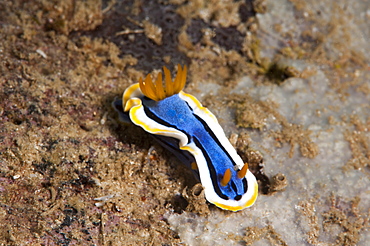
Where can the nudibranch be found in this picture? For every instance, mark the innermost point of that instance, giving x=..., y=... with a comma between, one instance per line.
x=189, y=130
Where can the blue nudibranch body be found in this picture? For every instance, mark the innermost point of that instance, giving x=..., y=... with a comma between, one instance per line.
x=180, y=123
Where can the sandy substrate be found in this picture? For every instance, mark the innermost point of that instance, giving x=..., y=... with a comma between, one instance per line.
x=288, y=80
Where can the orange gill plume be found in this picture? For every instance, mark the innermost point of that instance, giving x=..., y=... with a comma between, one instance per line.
x=242, y=172
x=156, y=91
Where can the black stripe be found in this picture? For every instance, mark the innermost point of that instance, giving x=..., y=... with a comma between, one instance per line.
x=211, y=133
x=238, y=197
x=245, y=185
x=233, y=186
x=211, y=170
x=191, y=109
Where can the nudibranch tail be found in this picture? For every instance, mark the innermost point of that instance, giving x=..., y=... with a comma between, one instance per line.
x=156, y=91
